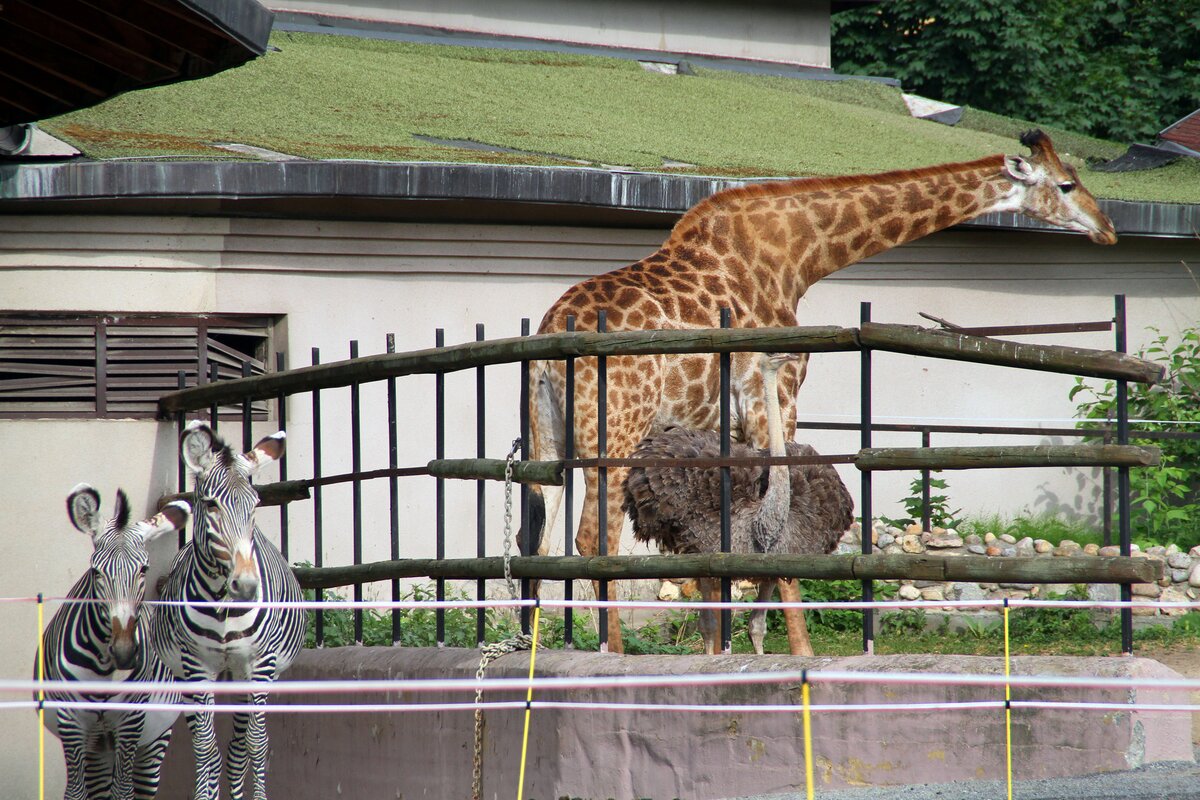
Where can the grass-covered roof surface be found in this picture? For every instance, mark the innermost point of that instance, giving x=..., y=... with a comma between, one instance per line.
x=342, y=97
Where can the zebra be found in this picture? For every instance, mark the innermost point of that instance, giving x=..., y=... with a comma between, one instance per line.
x=109, y=753
x=227, y=559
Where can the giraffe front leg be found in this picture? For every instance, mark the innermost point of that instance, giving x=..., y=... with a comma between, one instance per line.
x=204, y=748
x=587, y=540
x=797, y=628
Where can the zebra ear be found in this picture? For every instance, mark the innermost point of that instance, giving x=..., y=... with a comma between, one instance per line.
x=266, y=451
x=173, y=516
x=197, y=446
x=83, y=507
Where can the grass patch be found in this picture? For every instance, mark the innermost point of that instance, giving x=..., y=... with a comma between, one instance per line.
x=1033, y=631
x=327, y=96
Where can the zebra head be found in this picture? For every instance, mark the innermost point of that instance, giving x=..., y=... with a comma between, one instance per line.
x=226, y=498
x=119, y=562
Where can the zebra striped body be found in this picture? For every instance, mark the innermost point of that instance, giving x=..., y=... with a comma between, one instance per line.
x=109, y=753
x=228, y=559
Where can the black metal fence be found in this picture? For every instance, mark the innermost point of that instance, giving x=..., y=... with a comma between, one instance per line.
x=284, y=384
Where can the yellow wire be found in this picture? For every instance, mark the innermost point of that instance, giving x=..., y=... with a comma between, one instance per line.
x=808, y=755
x=537, y=615
x=1007, y=709
x=41, y=711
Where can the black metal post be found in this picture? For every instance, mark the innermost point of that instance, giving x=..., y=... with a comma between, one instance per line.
x=602, y=476
x=1123, y=498
x=393, y=488
x=180, y=422
x=318, y=544
x=214, y=411
x=529, y=546
x=281, y=412
x=356, y=492
x=926, y=512
x=867, y=530
x=439, y=487
x=247, y=416
x=480, y=492
x=726, y=489
x=1106, y=483
x=568, y=493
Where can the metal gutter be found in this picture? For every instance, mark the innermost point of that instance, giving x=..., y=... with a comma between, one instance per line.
x=508, y=192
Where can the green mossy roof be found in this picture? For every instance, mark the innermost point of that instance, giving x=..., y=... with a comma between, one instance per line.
x=340, y=97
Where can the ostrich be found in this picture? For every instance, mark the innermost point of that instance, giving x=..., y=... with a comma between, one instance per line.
x=783, y=509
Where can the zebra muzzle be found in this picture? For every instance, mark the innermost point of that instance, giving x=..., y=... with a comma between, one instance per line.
x=124, y=644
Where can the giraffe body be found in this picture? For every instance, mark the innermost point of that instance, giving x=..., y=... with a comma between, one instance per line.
x=756, y=250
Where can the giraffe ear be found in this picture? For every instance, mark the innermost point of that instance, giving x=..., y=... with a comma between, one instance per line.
x=1020, y=170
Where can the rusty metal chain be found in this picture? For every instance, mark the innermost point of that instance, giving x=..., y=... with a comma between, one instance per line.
x=489, y=652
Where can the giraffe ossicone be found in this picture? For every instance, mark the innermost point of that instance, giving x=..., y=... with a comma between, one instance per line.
x=756, y=250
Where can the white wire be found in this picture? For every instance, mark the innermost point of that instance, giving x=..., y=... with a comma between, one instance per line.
x=1055, y=420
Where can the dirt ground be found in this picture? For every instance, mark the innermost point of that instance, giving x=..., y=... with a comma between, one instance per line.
x=1185, y=661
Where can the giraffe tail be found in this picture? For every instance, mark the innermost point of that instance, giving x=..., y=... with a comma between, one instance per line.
x=548, y=434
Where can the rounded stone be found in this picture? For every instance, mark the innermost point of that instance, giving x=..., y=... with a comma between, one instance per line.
x=977, y=549
x=1109, y=551
x=933, y=593
x=909, y=593
x=992, y=550
x=911, y=544
x=1146, y=589
x=885, y=539
x=1194, y=575
x=1008, y=537
x=1042, y=546
x=1179, y=560
x=1091, y=549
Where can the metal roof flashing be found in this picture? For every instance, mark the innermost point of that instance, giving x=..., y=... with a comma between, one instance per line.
x=426, y=191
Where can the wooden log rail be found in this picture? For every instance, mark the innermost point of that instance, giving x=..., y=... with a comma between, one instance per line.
x=974, y=569
x=812, y=339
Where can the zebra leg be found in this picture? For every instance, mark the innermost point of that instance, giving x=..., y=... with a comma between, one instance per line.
x=124, y=756
x=238, y=759
x=204, y=748
x=258, y=746
x=74, y=749
x=147, y=771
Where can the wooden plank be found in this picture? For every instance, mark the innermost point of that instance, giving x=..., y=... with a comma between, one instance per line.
x=269, y=494
x=1006, y=456
x=1047, y=358
x=540, y=472
x=1074, y=569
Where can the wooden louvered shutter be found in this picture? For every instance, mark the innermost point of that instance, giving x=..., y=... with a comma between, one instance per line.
x=118, y=366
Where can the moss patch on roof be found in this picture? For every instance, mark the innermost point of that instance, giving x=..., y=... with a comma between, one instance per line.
x=328, y=96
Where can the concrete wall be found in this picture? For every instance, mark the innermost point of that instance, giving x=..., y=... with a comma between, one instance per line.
x=660, y=754
x=759, y=30
x=333, y=281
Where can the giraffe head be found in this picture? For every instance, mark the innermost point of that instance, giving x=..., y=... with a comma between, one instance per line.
x=226, y=500
x=1048, y=190
x=119, y=562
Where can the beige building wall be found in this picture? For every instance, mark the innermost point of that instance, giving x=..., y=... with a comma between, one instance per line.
x=758, y=30
x=333, y=281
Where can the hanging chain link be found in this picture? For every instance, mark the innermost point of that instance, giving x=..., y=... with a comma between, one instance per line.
x=490, y=652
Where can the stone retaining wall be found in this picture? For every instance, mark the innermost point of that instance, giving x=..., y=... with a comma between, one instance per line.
x=1181, y=583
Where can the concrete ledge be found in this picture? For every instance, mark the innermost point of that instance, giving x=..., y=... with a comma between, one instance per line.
x=663, y=755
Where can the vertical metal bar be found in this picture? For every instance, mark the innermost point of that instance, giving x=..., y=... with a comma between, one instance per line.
x=529, y=546
x=281, y=406
x=214, y=411
x=1123, y=492
x=201, y=351
x=868, y=589
x=393, y=488
x=602, y=475
x=568, y=493
x=1107, y=493
x=101, y=367
x=439, y=492
x=181, y=383
x=726, y=489
x=318, y=544
x=480, y=491
x=247, y=419
x=926, y=512
x=356, y=491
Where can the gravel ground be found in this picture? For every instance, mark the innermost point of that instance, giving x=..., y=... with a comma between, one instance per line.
x=1165, y=781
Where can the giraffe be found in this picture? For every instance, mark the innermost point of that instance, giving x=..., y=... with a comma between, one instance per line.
x=756, y=250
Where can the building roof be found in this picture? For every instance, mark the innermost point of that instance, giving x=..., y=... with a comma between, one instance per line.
x=328, y=100
x=1185, y=132
x=63, y=55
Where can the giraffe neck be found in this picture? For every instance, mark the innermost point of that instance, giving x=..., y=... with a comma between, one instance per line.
x=785, y=236
x=776, y=444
